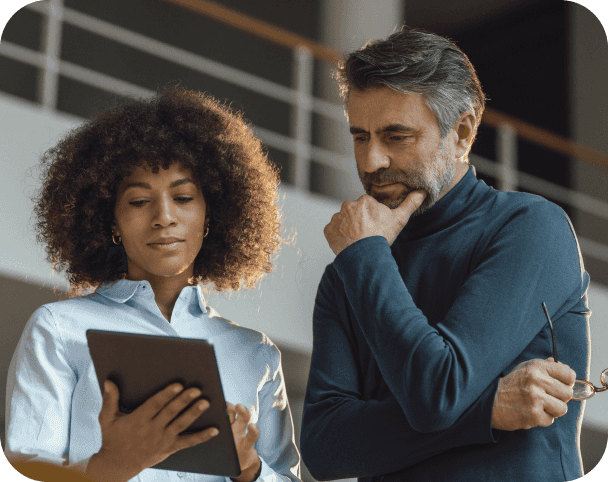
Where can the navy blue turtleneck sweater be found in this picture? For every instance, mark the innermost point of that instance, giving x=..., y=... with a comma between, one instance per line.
x=410, y=341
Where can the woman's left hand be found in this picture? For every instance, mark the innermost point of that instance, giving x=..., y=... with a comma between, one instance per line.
x=245, y=436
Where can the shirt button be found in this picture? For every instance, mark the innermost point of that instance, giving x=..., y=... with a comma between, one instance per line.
x=181, y=474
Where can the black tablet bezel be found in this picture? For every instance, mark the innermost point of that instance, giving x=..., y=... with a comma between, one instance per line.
x=143, y=364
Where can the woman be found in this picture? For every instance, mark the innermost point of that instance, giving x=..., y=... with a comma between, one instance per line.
x=144, y=203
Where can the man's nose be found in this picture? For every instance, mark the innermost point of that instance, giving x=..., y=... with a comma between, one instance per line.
x=375, y=158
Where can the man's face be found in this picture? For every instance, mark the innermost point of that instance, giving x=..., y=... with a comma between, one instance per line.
x=398, y=147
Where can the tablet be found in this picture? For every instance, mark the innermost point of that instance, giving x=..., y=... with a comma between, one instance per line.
x=142, y=365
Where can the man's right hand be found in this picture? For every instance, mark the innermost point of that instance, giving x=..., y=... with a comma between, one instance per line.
x=534, y=394
x=147, y=435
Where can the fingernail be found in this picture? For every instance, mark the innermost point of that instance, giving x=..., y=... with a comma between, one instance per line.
x=202, y=405
x=214, y=432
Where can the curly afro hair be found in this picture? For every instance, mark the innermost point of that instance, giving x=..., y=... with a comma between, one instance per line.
x=75, y=205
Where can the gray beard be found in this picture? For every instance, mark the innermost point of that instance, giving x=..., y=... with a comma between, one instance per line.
x=434, y=178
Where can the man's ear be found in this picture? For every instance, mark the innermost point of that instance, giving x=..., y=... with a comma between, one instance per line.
x=464, y=128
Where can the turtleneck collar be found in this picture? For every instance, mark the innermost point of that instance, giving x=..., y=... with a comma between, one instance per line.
x=461, y=199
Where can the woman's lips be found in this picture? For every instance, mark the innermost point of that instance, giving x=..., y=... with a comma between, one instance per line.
x=166, y=246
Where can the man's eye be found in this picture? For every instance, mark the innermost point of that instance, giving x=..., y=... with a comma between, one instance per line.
x=399, y=138
x=360, y=139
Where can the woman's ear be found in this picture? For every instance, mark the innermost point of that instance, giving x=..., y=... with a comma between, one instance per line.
x=206, y=226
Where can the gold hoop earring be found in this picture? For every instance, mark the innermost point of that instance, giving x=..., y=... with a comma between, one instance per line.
x=206, y=232
x=114, y=241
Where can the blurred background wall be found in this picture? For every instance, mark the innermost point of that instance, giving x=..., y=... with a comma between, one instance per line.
x=541, y=62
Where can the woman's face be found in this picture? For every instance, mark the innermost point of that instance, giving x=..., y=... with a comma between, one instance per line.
x=161, y=219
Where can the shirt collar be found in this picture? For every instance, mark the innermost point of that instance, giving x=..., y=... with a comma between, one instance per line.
x=122, y=290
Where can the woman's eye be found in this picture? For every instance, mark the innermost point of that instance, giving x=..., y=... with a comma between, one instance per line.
x=181, y=200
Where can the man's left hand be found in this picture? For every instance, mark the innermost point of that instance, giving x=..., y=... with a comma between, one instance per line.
x=367, y=217
x=532, y=395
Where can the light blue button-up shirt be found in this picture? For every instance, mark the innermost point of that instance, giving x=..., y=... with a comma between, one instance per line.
x=53, y=399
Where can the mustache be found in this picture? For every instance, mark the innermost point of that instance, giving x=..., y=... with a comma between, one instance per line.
x=385, y=175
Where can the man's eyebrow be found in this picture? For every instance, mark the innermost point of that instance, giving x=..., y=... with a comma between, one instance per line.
x=145, y=185
x=395, y=127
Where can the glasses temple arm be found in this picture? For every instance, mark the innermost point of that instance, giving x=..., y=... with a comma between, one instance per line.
x=552, y=333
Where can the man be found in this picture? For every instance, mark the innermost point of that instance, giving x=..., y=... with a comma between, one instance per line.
x=430, y=358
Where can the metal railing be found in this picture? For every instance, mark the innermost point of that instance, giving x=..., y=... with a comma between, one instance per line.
x=299, y=97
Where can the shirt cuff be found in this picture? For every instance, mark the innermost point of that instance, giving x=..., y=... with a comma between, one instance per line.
x=81, y=466
x=265, y=471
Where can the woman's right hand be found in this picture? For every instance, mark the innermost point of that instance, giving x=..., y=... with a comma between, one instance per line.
x=146, y=436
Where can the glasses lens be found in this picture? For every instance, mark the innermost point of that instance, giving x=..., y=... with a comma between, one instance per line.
x=582, y=390
x=604, y=377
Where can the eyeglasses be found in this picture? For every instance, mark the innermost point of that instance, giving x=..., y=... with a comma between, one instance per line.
x=582, y=389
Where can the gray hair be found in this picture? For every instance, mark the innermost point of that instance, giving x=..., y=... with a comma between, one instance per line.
x=415, y=61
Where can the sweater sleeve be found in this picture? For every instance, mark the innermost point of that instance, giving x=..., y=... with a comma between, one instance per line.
x=345, y=436
x=436, y=374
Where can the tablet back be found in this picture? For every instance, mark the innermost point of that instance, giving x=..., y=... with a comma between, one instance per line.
x=142, y=365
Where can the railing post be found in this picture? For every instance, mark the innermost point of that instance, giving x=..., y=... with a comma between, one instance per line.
x=51, y=36
x=507, y=158
x=301, y=118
